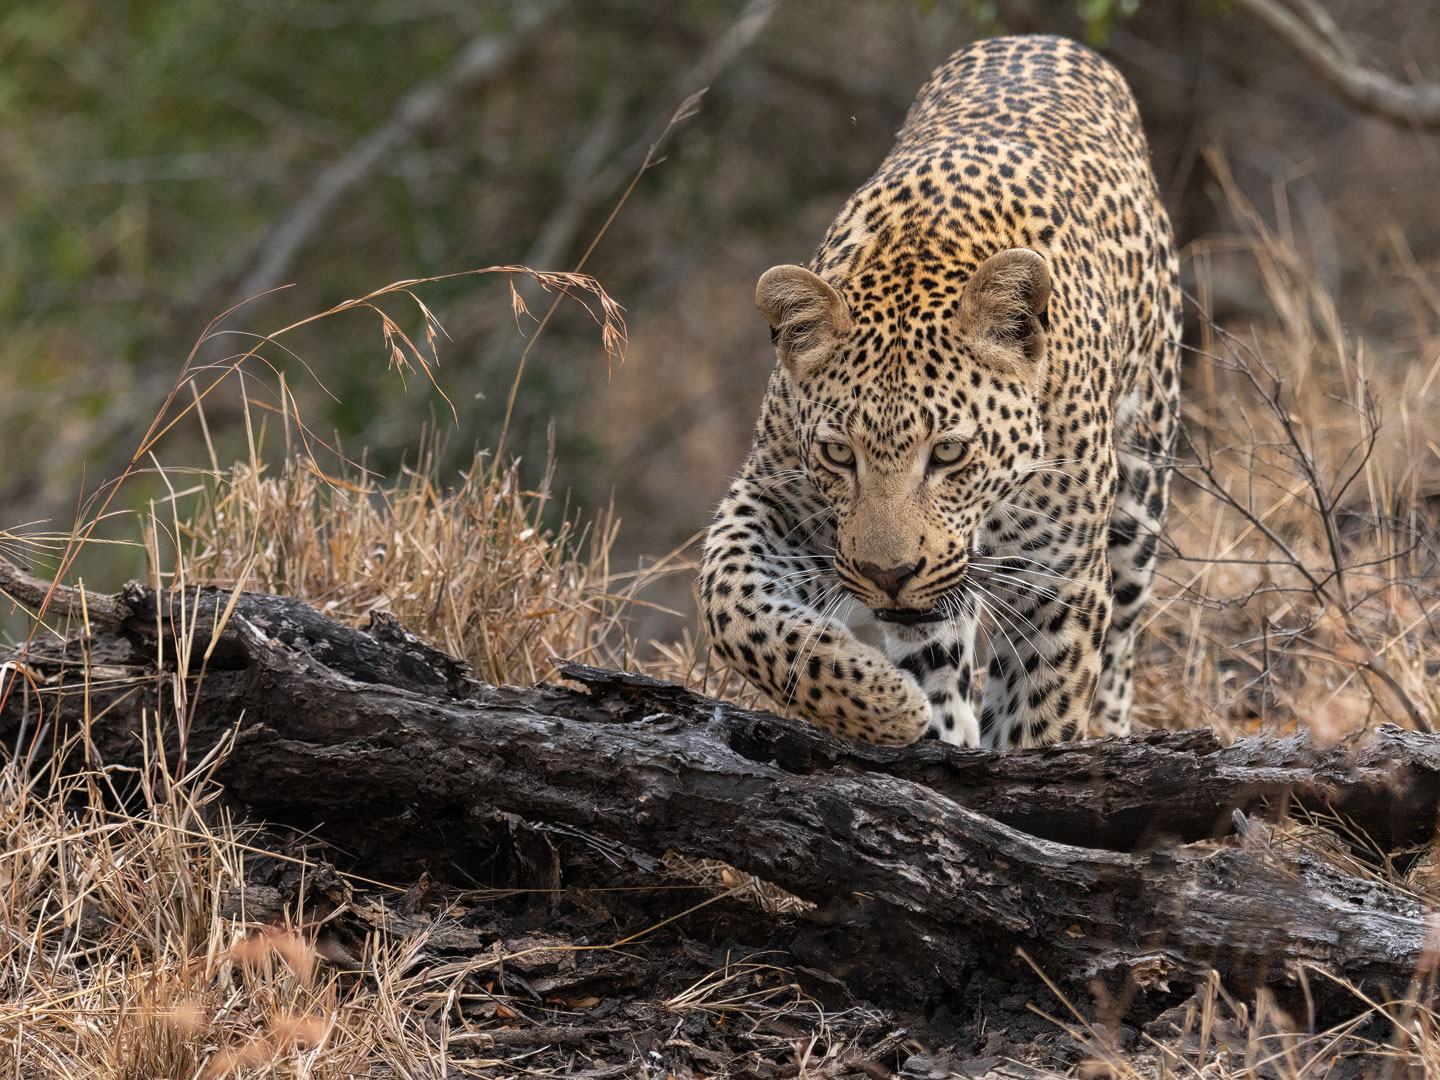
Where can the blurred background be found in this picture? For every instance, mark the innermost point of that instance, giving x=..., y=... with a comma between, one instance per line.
x=162, y=161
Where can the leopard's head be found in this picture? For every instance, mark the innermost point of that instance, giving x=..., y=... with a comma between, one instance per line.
x=916, y=411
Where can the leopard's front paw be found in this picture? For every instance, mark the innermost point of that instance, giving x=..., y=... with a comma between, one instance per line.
x=907, y=717
x=876, y=703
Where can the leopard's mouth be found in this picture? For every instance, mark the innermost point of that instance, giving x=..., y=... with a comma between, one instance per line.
x=908, y=616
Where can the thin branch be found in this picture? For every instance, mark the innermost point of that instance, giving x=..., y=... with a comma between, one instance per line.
x=1317, y=42
x=586, y=183
x=480, y=59
x=1313, y=12
x=56, y=599
x=559, y=229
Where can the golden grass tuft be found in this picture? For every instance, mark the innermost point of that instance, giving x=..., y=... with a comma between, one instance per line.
x=488, y=569
x=121, y=959
x=1297, y=580
x=1219, y=1037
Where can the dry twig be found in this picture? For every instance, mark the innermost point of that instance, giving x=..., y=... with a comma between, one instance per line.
x=482, y=57
x=1308, y=31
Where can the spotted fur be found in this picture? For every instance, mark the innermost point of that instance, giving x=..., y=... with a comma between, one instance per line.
x=965, y=430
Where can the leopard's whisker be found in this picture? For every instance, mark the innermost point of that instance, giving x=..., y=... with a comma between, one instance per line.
x=1022, y=635
x=1011, y=581
x=824, y=510
x=797, y=578
x=999, y=562
x=830, y=598
x=1037, y=466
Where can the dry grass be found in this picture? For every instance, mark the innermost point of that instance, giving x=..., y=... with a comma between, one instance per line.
x=121, y=960
x=488, y=569
x=201, y=377
x=127, y=952
x=1217, y=1037
x=1300, y=588
x=1298, y=592
x=482, y=565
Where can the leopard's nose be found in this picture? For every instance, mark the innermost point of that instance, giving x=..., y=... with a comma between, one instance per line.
x=892, y=580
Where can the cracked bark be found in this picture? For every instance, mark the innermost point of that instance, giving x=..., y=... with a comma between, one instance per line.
x=927, y=864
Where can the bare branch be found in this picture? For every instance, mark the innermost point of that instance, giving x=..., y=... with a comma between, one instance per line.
x=927, y=863
x=1313, y=12
x=53, y=598
x=422, y=106
x=586, y=183
x=1320, y=46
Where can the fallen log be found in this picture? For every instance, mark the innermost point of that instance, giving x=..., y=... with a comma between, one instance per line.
x=927, y=864
x=1156, y=788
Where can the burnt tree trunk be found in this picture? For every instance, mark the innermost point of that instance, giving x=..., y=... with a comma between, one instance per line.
x=927, y=864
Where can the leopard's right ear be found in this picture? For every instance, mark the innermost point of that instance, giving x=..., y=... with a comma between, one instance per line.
x=1004, y=303
x=807, y=317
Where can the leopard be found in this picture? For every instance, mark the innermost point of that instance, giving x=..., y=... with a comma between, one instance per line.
x=959, y=473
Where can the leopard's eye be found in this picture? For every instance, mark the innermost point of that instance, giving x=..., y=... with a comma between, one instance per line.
x=947, y=453
x=838, y=453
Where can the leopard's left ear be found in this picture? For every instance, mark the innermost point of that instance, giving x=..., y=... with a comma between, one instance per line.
x=807, y=317
x=1004, y=301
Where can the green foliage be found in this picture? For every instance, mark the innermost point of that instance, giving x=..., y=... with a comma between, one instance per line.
x=151, y=146
x=1100, y=15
